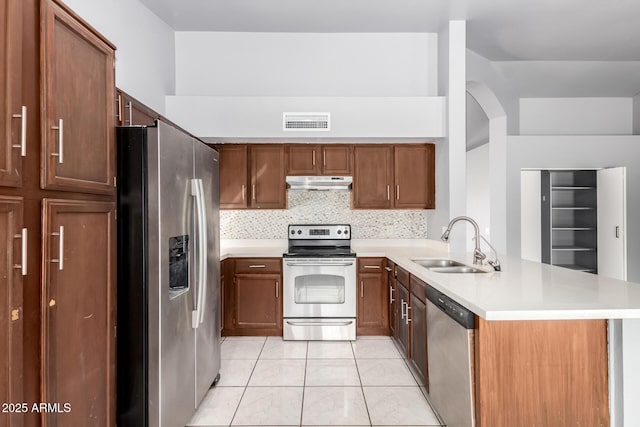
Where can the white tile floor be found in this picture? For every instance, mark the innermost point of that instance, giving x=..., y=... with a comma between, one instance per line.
x=271, y=382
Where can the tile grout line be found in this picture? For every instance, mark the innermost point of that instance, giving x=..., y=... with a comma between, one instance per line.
x=247, y=385
x=355, y=360
x=304, y=382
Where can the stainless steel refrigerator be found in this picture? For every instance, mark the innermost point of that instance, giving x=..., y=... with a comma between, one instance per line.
x=168, y=331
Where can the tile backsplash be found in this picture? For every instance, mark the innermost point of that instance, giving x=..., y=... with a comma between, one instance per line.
x=323, y=207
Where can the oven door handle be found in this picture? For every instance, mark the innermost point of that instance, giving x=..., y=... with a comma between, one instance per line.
x=318, y=264
x=349, y=322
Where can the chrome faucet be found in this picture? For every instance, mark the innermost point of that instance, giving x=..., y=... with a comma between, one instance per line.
x=478, y=255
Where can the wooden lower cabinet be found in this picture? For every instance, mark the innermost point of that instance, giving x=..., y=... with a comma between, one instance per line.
x=79, y=311
x=393, y=300
x=541, y=373
x=404, y=326
x=11, y=312
x=419, y=339
x=253, y=297
x=372, y=310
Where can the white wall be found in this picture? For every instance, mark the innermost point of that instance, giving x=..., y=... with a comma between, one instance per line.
x=477, y=124
x=479, y=192
x=231, y=117
x=530, y=215
x=636, y=114
x=576, y=116
x=145, y=64
x=306, y=64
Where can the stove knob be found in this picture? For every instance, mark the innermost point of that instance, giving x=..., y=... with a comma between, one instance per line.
x=346, y=231
x=339, y=231
x=293, y=231
x=299, y=231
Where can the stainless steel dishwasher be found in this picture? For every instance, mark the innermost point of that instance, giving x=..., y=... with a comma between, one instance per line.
x=450, y=359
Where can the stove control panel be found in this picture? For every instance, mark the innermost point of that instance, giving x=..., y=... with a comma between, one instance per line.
x=320, y=232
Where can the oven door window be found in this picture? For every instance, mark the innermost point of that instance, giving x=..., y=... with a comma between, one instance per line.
x=319, y=289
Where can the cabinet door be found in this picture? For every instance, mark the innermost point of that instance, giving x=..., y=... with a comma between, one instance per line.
x=268, y=177
x=419, y=337
x=336, y=160
x=403, y=325
x=12, y=113
x=12, y=250
x=78, y=106
x=234, y=163
x=303, y=160
x=372, y=305
x=414, y=176
x=79, y=311
x=130, y=112
x=393, y=294
x=257, y=301
x=372, y=177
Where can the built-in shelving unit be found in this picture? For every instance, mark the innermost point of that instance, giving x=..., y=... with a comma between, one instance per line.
x=569, y=219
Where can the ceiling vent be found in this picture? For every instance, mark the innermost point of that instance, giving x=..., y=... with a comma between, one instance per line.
x=306, y=121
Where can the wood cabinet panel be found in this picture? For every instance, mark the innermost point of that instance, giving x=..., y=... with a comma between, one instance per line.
x=11, y=310
x=541, y=373
x=303, y=159
x=234, y=164
x=373, y=296
x=414, y=173
x=268, y=176
x=131, y=112
x=393, y=298
x=258, y=265
x=257, y=302
x=418, y=315
x=78, y=105
x=12, y=113
x=78, y=311
x=372, y=177
x=336, y=159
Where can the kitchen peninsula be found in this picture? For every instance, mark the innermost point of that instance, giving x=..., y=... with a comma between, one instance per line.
x=540, y=339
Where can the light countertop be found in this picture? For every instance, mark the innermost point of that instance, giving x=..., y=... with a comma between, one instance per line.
x=523, y=290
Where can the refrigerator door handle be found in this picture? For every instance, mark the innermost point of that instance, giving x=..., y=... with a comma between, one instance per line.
x=198, y=192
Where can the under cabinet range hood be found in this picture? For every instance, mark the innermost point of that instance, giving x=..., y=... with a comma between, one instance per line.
x=323, y=183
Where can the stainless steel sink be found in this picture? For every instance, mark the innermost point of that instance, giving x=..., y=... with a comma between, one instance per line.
x=440, y=263
x=456, y=269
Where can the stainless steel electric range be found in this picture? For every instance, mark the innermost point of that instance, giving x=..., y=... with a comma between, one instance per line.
x=319, y=278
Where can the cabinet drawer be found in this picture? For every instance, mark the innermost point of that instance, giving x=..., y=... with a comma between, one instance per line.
x=418, y=288
x=371, y=265
x=402, y=275
x=258, y=265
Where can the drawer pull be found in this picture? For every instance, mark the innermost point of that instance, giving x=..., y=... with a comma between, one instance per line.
x=257, y=266
x=389, y=269
x=372, y=266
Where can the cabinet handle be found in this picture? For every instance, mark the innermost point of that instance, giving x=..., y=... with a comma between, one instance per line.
x=391, y=300
x=313, y=157
x=60, y=153
x=388, y=197
x=362, y=289
x=257, y=266
x=324, y=158
x=397, y=192
x=130, y=107
x=389, y=269
x=119, y=108
x=277, y=286
x=253, y=191
x=243, y=191
x=23, y=131
x=60, y=259
x=402, y=313
x=406, y=319
x=23, y=266
x=617, y=231
x=371, y=266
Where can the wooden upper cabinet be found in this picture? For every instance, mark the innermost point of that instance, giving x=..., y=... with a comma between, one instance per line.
x=130, y=112
x=78, y=311
x=11, y=312
x=372, y=176
x=13, y=124
x=414, y=170
x=336, y=159
x=78, y=105
x=304, y=159
x=268, y=176
x=234, y=162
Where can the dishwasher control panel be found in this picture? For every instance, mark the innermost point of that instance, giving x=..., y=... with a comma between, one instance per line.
x=461, y=315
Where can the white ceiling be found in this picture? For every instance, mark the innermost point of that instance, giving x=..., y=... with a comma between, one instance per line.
x=500, y=30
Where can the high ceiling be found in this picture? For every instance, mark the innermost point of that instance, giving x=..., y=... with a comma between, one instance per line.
x=500, y=30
